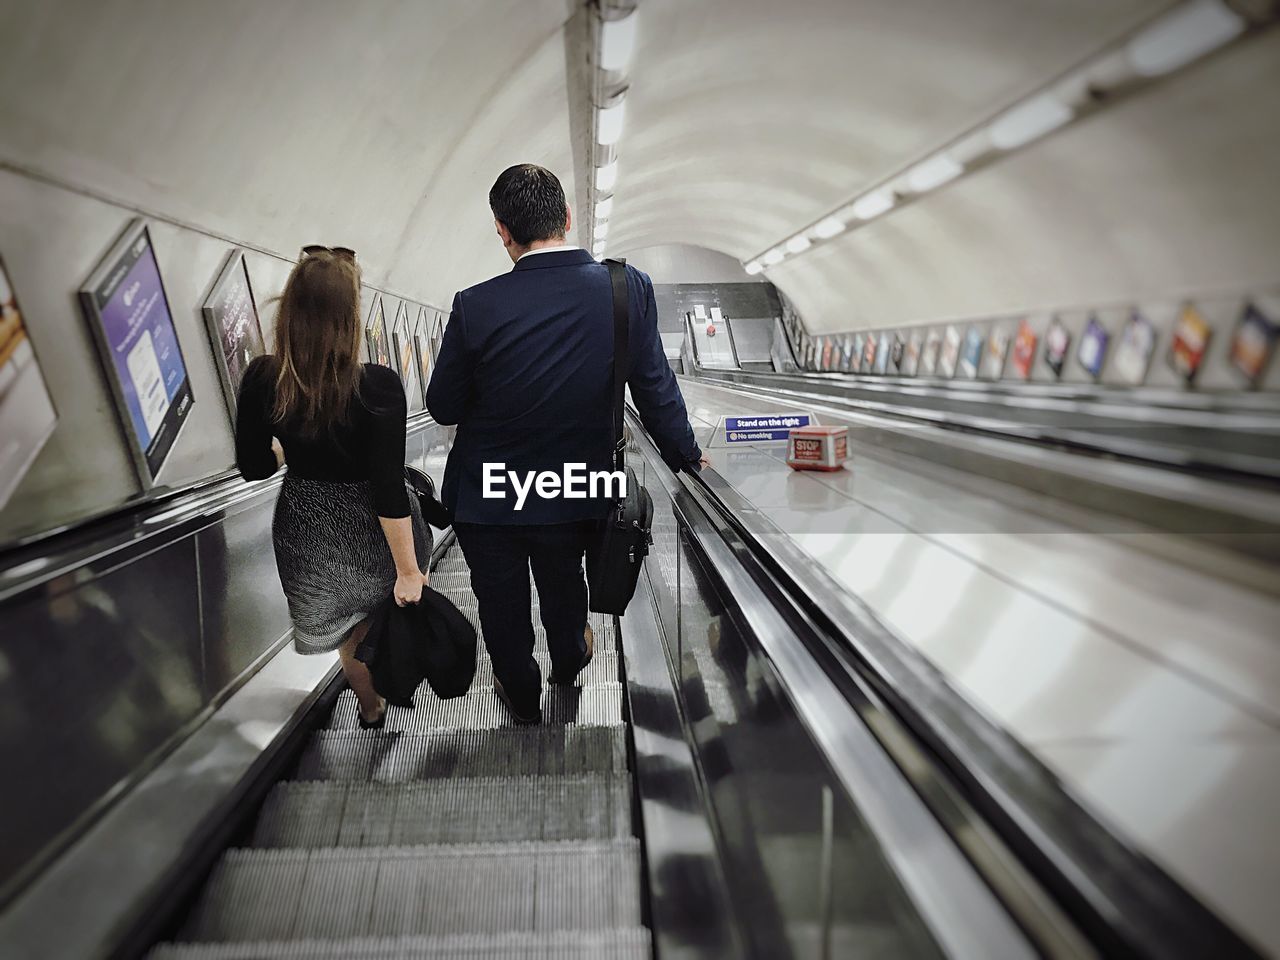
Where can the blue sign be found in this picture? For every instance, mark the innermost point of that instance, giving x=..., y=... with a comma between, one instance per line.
x=763, y=428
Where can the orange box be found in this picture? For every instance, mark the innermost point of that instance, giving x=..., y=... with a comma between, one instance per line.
x=818, y=448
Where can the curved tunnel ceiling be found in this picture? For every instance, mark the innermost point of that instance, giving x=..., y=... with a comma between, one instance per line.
x=381, y=125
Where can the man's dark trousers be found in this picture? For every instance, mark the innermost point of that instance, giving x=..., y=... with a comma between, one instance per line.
x=500, y=557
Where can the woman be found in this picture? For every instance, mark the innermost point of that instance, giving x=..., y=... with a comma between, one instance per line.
x=347, y=534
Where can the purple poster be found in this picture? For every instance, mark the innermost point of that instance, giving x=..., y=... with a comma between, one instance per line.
x=127, y=304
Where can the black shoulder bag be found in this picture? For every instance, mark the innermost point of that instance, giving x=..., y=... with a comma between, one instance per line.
x=620, y=545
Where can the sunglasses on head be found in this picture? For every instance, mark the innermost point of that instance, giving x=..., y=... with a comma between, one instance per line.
x=345, y=252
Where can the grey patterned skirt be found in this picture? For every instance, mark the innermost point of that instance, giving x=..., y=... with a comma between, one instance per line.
x=334, y=561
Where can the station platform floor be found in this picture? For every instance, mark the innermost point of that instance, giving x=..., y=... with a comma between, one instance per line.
x=1148, y=685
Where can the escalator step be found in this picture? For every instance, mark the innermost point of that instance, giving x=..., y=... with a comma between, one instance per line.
x=398, y=891
x=603, y=668
x=623, y=944
x=302, y=814
x=598, y=705
x=524, y=751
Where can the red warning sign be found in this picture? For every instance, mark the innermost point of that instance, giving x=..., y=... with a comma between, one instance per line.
x=818, y=448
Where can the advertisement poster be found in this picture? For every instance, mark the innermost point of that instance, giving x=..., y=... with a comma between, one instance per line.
x=882, y=354
x=1093, y=347
x=950, y=352
x=846, y=354
x=869, y=354
x=407, y=365
x=971, y=355
x=27, y=415
x=899, y=348
x=859, y=343
x=1191, y=337
x=997, y=352
x=1133, y=352
x=376, y=331
x=231, y=316
x=929, y=356
x=1057, y=341
x=828, y=348
x=441, y=320
x=1253, y=343
x=422, y=345
x=128, y=310
x=1024, y=351
x=911, y=359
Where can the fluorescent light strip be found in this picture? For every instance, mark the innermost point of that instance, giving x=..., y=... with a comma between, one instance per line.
x=1029, y=121
x=609, y=122
x=932, y=173
x=1183, y=35
x=618, y=42
x=604, y=207
x=1190, y=31
x=754, y=267
x=873, y=204
x=607, y=176
x=602, y=230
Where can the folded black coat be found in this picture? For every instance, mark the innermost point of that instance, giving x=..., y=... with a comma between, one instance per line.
x=428, y=640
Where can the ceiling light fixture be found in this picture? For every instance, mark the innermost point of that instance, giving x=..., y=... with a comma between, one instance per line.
x=773, y=256
x=604, y=207
x=609, y=122
x=618, y=42
x=602, y=229
x=754, y=267
x=829, y=227
x=607, y=176
x=799, y=244
x=873, y=204
x=1029, y=121
x=934, y=172
x=1183, y=35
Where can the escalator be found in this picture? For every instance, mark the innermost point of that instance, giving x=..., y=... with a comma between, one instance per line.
x=448, y=832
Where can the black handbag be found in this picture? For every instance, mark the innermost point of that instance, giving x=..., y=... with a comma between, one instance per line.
x=621, y=543
x=433, y=511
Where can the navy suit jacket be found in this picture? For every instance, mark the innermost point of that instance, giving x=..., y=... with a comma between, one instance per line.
x=526, y=372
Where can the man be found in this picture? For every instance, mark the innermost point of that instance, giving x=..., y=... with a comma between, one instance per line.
x=525, y=371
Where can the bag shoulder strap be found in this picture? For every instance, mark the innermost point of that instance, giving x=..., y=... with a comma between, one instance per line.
x=621, y=350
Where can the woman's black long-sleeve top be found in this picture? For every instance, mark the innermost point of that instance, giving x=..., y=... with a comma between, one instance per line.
x=369, y=446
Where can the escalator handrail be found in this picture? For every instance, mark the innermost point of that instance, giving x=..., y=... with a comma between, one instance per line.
x=958, y=907
x=1117, y=895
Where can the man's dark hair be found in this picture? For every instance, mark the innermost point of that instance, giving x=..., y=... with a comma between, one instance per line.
x=530, y=201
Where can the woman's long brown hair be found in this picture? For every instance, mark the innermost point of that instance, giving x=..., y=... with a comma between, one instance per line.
x=318, y=344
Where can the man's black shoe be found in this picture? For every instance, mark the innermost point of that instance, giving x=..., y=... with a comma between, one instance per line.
x=522, y=721
x=588, y=635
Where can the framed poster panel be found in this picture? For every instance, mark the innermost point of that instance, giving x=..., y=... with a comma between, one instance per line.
x=437, y=332
x=896, y=353
x=1057, y=341
x=911, y=358
x=1024, y=350
x=869, y=354
x=378, y=336
x=929, y=355
x=882, y=354
x=1253, y=343
x=828, y=349
x=231, y=316
x=855, y=360
x=997, y=353
x=950, y=352
x=971, y=354
x=1093, y=347
x=128, y=311
x=1191, y=335
x=1133, y=352
x=27, y=414
x=846, y=353
x=406, y=364
x=423, y=356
